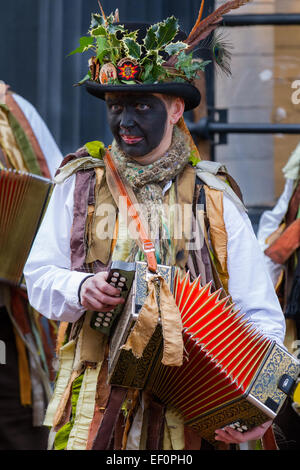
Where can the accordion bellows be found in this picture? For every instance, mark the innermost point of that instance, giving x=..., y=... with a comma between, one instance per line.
x=23, y=198
x=230, y=372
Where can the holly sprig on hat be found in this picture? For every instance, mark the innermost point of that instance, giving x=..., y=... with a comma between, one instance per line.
x=110, y=42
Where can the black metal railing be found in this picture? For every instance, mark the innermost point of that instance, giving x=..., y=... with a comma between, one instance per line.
x=208, y=127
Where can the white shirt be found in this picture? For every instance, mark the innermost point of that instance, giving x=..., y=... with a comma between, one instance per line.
x=53, y=287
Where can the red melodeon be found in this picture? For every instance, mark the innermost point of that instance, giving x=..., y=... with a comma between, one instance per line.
x=231, y=375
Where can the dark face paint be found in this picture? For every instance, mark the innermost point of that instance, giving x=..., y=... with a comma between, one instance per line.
x=137, y=122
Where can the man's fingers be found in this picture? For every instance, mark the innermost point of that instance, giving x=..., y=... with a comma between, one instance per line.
x=99, y=284
x=97, y=294
x=231, y=436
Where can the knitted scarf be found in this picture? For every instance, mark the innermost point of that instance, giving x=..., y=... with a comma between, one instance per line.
x=148, y=183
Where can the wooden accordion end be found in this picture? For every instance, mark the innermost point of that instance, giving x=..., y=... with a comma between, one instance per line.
x=231, y=375
x=23, y=198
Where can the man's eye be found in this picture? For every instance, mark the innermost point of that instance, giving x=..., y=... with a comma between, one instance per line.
x=142, y=107
x=116, y=108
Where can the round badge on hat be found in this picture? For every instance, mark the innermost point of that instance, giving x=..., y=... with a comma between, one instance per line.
x=108, y=73
x=128, y=69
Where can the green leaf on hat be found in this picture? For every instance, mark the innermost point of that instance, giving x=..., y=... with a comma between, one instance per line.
x=166, y=31
x=113, y=29
x=133, y=49
x=103, y=47
x=175, y=47
x=150, y=40
x=188, y=65
x=99, y=31
x=96, y=149
x=97, y=20
x=147, y=71
x=85, y=42
x=85, y=78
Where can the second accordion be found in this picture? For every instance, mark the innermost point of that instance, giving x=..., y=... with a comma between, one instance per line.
x=23, y=198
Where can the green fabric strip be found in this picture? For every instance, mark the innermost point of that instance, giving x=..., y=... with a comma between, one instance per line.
x=62, y=436
x=23, y=142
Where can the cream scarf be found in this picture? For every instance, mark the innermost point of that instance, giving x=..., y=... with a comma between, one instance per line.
x=148, y=183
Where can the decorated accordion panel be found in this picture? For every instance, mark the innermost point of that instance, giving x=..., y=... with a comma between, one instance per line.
x=231, y=374
x=124, y=369
x=23, y=198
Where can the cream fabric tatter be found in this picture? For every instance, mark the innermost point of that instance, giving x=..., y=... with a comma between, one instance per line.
x=84, y=409
x=292, y=169
x=66, y=365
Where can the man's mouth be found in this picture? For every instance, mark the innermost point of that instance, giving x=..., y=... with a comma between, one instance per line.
x=131, y=139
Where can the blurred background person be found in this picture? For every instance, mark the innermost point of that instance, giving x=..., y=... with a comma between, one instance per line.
x=26, y=145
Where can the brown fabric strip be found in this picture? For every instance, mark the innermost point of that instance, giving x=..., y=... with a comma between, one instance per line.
x=185, y=188
x=119, y=431
x=110, y=418
x=24, y=371
x=102, y=396
x=268, y=440
x=192, y=439
x=217, y=231
x=20, y=116
x=155, y=426
x=281, y=250
x=84, y=181
x=232, y=183
x=293, y=206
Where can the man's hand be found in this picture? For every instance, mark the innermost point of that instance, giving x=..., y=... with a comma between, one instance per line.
x=96, y=294
x=231, y=436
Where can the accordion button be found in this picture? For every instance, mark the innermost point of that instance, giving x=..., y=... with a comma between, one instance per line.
x=113, y=280
x=123, y=279
x=97, y=324
x=105, y=323
x=244, y=428
x=120, y=284
x=116, y=274
x=108, y=315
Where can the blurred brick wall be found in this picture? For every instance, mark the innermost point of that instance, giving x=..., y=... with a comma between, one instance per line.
x=265, y=62
x=286, y=72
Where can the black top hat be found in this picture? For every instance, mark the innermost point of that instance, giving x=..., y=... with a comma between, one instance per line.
x=157, y=58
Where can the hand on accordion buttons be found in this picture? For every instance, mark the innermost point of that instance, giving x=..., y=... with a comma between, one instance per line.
x=96, y=294
x=231, y=436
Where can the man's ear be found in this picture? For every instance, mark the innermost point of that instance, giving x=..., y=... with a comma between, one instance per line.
x=176, y=110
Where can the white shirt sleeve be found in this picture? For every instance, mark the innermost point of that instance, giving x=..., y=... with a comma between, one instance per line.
x=47, y=143
x=52, y=286
x=250, y=285
x=269, y=222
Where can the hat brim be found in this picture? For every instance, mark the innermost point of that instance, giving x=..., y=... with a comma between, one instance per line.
x=188, y=92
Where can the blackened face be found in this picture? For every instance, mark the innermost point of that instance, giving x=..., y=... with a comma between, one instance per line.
x=137, y=122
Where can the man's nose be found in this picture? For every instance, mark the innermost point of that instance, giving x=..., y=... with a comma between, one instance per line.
x=127, y=119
